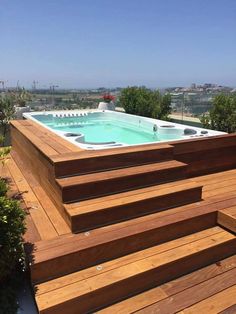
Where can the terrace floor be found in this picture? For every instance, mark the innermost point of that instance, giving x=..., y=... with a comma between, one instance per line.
x=190, y=269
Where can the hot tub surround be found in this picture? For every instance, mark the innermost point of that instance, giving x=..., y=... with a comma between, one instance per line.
x=100, y=129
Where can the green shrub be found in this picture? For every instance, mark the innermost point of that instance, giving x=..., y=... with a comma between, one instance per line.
x=145, y=102
x=222, y=115
x=12, y=227
x=3, y=187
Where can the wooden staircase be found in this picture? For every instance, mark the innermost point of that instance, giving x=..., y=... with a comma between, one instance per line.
x=95, y=196
x=108, y=159
x=92, y=288
x=136, y=221
x=144, y=224
x=106, y=210
x=87, y=186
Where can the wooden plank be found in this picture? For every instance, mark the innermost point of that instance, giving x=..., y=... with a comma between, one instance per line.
x=52, y=212
x=113, y=264
x=98, y=160
x=219, y=191
x=115, y=151
x=132, y=199
x=216, y=203
x=171, y=288
x=230, y=211
x=119, y=226
x=224, y=162
x=225, y=195
x=220, y=184
x=57, y=146
x=215, y=304
x=31, y=154
x=227, y=218
x=32, y=235
x=114, y=181
x=119, y=209
x=229, y=310
x=41, y=145
x=199, y=276
x=195, y=294
x=66, y=144
x=116, y=199
x=135, y=303
x=200, y=144
x=55, y=217
x=215, y=177
x=115, y=284
x=55, y=261
x=106, y=175
x=207, y=155
x=34, y=160
x=41, y=220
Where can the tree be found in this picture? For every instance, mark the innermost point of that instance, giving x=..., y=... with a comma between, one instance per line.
x=8, y=102
x=222, y=116
x=7, y=110
x=145, y=102
x=165, y=107
x=21, y=97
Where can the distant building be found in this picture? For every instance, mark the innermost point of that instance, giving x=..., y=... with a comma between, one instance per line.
x=209, y=85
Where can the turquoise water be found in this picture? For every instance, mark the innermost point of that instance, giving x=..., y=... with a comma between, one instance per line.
x=108, y=131
x=98, y=130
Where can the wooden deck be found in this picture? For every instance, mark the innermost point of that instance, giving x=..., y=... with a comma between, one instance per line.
x=116, y=231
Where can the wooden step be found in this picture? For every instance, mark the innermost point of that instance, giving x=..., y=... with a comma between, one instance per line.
x=93, y=161
x=105, y=210
x=203, y=207
x=222, y=303
x=104, y=183
x=227, y=218
x=66, y=254
x=177, y=294
x=215, y=296
x=99, y=286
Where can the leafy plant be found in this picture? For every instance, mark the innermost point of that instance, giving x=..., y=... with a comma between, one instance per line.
x=145, y=102
x=8, y=103
x=12, y=227
x=222, y=116
x=165, y=107
x=21, y=97
x=7, y=110
x=3, y=187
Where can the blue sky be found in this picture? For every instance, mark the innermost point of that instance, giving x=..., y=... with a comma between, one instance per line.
x=92, y=43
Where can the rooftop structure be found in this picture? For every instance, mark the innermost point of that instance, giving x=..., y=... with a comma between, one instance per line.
x=146, y=229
